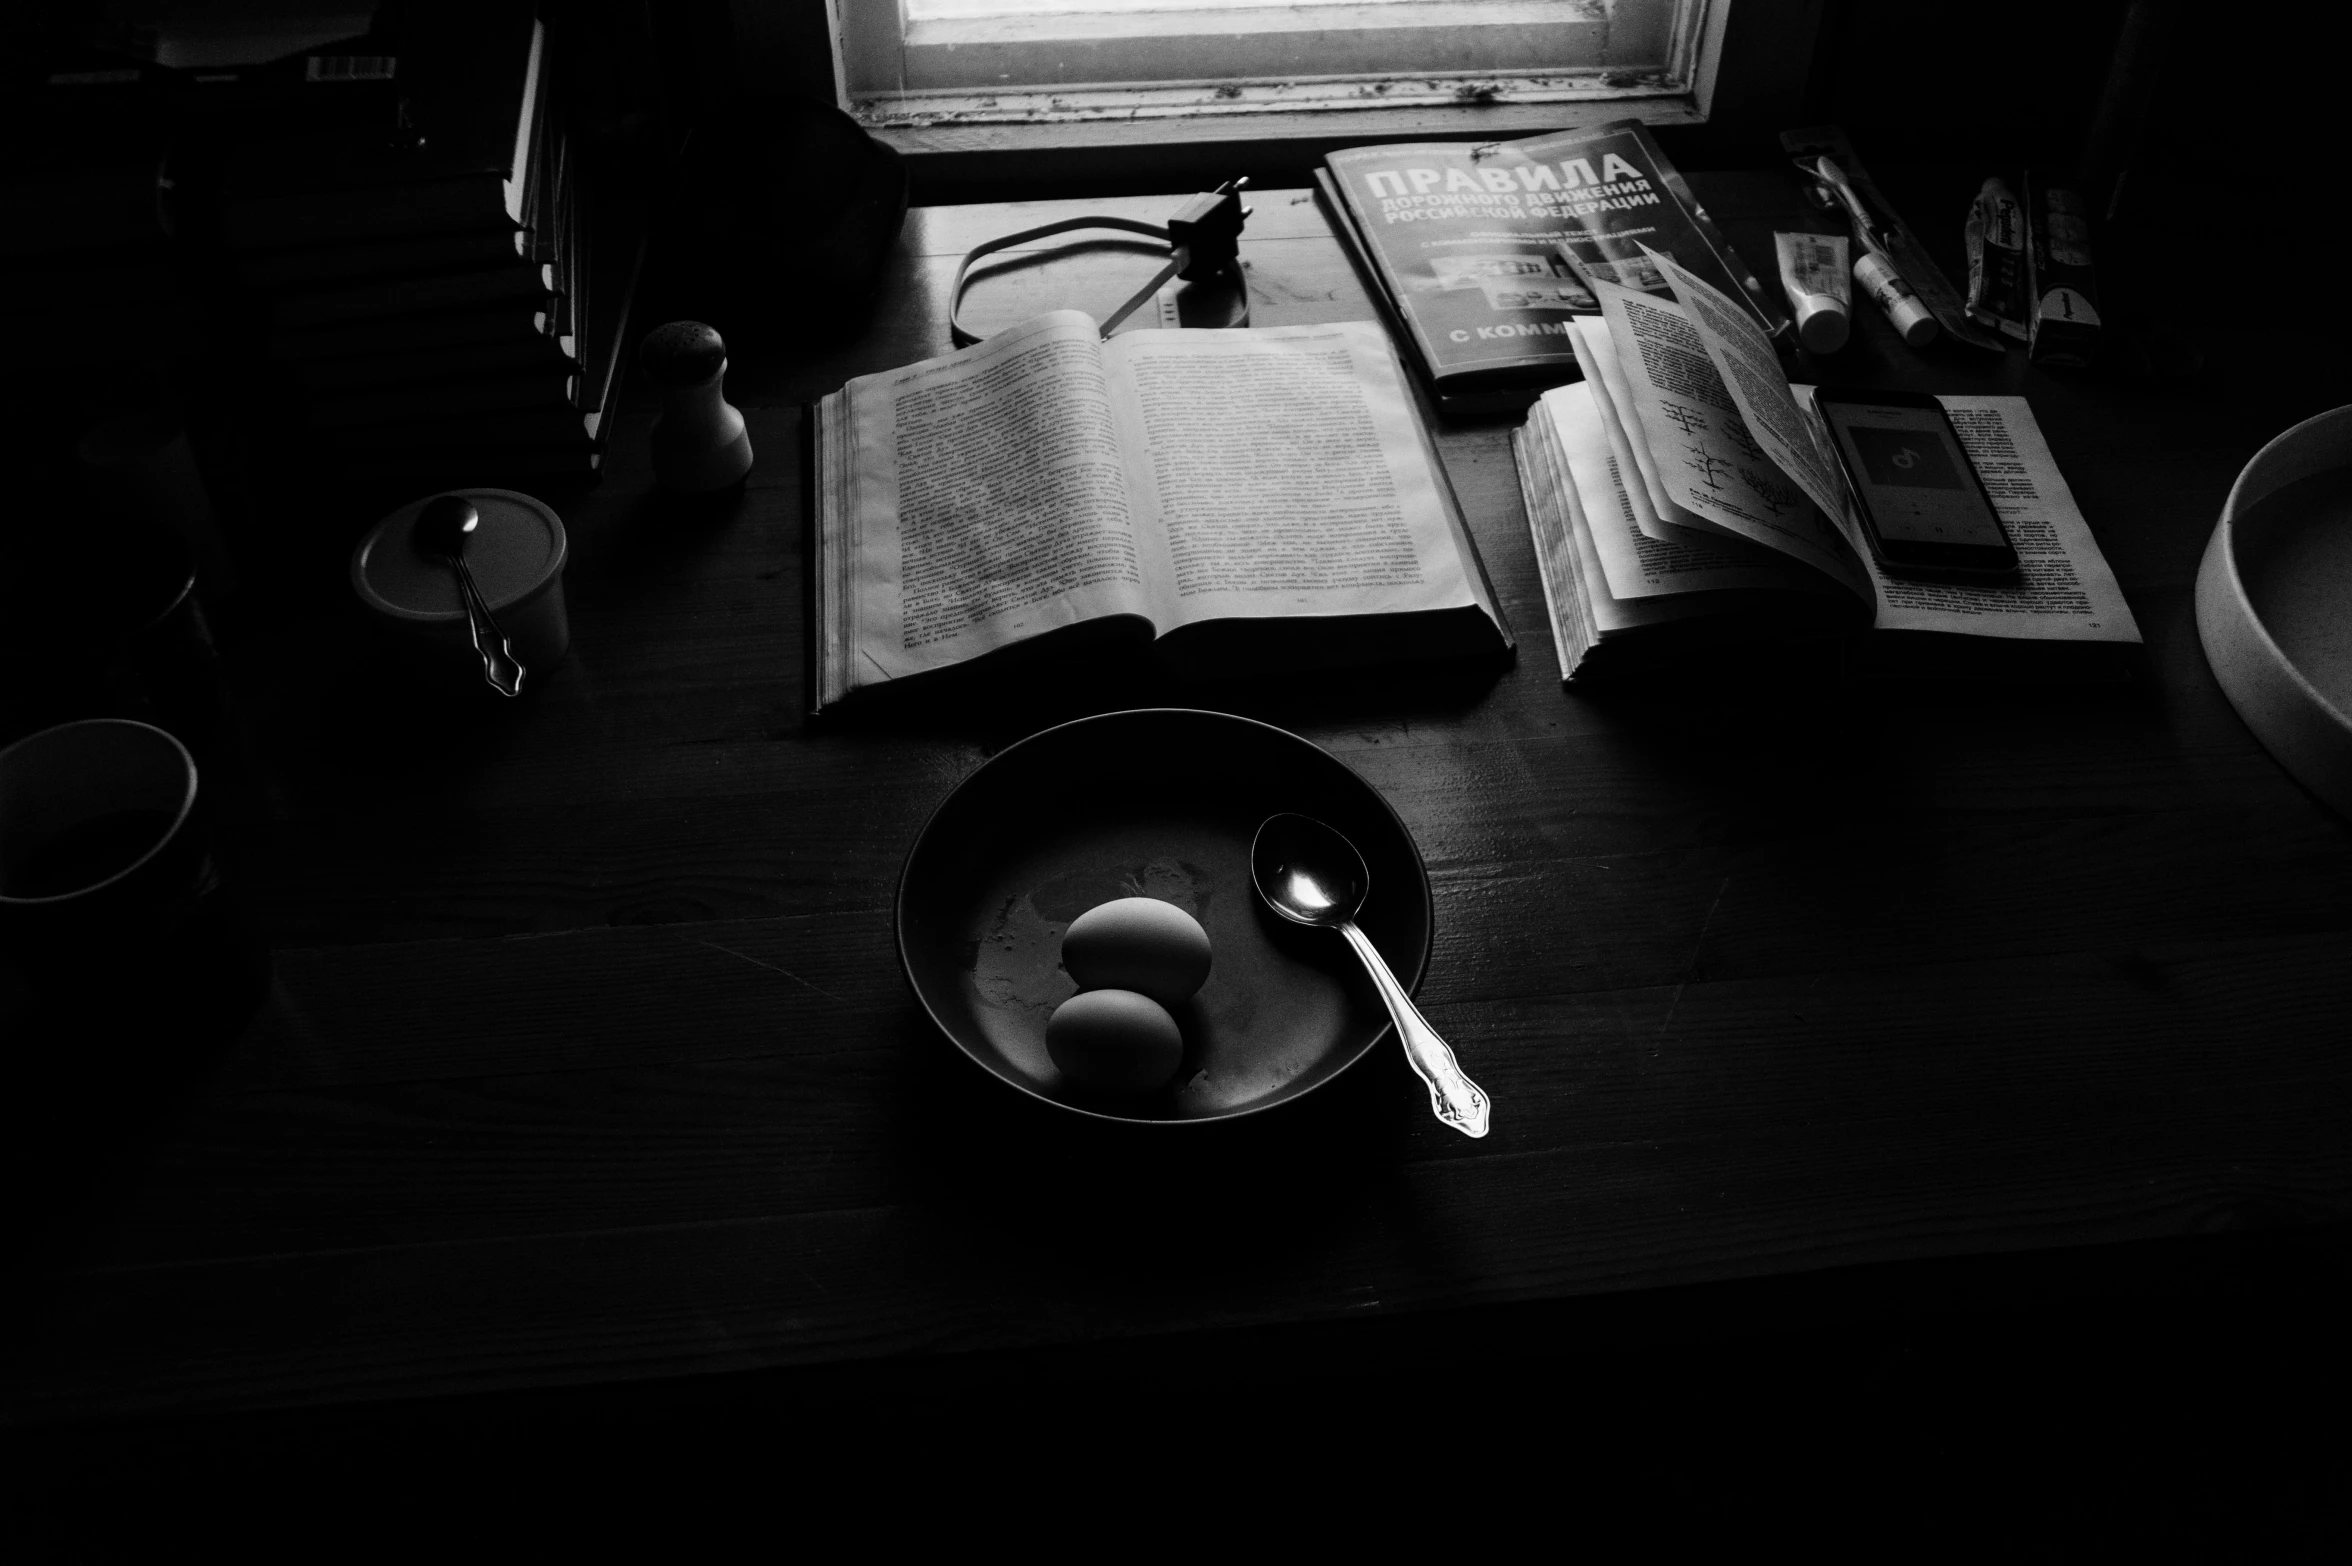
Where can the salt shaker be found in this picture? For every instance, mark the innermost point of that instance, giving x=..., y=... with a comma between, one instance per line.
x=699, y=442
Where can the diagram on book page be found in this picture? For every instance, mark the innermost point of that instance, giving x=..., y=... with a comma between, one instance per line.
x=1769, y=425
x=1753, y=478
x=1633, y=564
x=1706, y=465
x=1596, y=355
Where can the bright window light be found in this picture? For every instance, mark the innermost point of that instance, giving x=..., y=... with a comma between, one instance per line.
x=915, y=62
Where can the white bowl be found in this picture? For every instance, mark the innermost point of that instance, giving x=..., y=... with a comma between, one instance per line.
x=2274, y=602
x=517, y=556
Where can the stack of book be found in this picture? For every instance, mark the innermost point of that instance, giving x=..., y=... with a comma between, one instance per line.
x=407, y=215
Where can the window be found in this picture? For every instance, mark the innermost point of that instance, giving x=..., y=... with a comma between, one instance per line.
x=1241, y=63
x=979, y=90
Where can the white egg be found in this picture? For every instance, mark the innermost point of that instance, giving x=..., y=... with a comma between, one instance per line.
x=1140, y=944
x=1115, y=1040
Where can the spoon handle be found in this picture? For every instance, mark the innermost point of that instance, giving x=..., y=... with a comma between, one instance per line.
x=499, y=664
x=1453, y=1097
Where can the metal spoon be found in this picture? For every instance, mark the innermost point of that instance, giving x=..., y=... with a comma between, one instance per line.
x=1312, y=875
x=441, y=532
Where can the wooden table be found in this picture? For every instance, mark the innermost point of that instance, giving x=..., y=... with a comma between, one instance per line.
x=590, y=1070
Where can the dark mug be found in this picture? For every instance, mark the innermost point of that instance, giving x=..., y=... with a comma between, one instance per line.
x=112, y=902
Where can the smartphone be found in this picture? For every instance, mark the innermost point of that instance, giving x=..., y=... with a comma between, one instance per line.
x=1924, y=510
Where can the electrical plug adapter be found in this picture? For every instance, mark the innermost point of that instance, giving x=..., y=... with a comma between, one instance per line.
x=1204, y=236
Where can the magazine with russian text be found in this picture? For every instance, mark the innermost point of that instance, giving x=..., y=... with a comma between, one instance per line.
x=1484, y=252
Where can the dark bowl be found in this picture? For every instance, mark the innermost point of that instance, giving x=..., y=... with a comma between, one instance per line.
x=1155, y=803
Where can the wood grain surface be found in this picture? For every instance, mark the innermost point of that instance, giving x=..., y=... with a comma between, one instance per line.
x=589, y=1060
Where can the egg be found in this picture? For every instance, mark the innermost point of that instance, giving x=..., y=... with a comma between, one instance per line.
x=1115, y=1040
x=1139, y=944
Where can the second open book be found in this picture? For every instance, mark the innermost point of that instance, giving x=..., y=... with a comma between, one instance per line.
x=1242, y=500
x=1683, y=496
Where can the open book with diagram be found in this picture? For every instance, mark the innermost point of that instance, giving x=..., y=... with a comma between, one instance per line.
x=1240, y=500
x=1684, y=497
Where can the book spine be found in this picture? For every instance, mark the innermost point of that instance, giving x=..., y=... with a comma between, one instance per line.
x=413, y=296
x=445, y=253
x=561, y=428
x=529, y=394
x=380, y=372
x=344, y=216
x=421, y=334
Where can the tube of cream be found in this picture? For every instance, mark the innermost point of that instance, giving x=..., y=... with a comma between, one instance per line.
x=1813, y=274
x=2064, y=291
x=1996, y=260
x=1912, y=320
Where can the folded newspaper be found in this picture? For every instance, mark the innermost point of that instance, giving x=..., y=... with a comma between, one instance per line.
x=1683, y=497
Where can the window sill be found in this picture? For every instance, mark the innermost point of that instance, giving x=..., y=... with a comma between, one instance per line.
x=1267, y=146
x=1306, y=49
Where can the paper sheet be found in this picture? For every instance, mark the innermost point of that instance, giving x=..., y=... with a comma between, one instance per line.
x=1278, y=471
x=986, y=500
x=1596, y=354
x=1550, y=499
x=1635, y=564
x=1751, y=372
x=1708, y=462
x=2065, y=589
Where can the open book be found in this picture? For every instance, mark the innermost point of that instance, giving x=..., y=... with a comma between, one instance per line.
x=1250, y=500
x=1683, y=496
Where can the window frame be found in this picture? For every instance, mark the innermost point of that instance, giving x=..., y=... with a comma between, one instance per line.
x=1753, y=61
x=1080, y=59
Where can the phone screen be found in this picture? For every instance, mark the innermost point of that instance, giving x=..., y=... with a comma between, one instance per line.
x=1914, y=480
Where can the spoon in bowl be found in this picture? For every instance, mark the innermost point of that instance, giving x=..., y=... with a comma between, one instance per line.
x=442, y=529
x=1311, y=875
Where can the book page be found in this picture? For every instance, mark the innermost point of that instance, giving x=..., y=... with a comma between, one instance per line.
x=1596, y=354
x=1606, y=614
x=1744, y=357
x=1549, y=498
x=1708, y=462
x=1282, y=471
x=2065, y=590
x=987, y=500
x=1561, y=520
x=1635, y=564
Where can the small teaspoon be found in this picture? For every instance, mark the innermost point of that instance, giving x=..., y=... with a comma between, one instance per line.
x=1312, y=875
x=442, y=530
